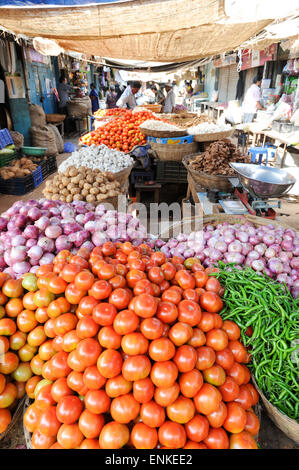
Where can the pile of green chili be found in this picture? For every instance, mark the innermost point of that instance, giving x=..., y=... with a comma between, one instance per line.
x=257, y=301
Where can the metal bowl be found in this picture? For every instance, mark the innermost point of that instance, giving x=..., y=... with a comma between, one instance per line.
x=263, y=181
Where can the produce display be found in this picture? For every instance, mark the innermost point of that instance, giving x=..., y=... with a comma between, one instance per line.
x=122, y=133
x=268, y=309
x=18, y=168
x=82, y=184
x=208, y=128
x=186, y=120
x=158, y=126
x=97, y=157
x=215, y=160
x=100, y=113
x=267, y=249
x=33, y=232
x=130, y=351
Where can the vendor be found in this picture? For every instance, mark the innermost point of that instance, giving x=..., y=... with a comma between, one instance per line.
x=159, y=95
x=111, y=97
x=64, y=91
x=94, y=96
x=169, y=104
x=128, y=98
x=252, y=103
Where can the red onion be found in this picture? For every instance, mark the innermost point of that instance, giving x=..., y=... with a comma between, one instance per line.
x=253, y=255
x=53, y=231
x=246, y=248
x=18, y=240
x=260, y=248
x=21, y=267
x=234, y=247
x=275, y=265
x=88, y=245
x=234, y=257
x=62, y=243
x=2, y=262
x=35, y=252
x=88, y=216
x=270, y=253
x=42, y=223
x=71, y=228
x=166, y=251
x=268, y=272
x=253, y=239
x=34, y=213
x=258, y=265
x=7, y=258
x=215, y=255
x=18, y=253
x=160, y=243
x=47, y=259
x=284, y=278
x=294, y=263
x=3, y=223
x=242, y=236
x=221, y=246
x=55, y=221
x=99, y=238
x=287, y=245
x=31, y=231
x=46, y=244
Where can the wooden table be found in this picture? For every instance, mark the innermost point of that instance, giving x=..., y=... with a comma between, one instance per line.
x=140, y=187
x=279, y=139
x=202, y=207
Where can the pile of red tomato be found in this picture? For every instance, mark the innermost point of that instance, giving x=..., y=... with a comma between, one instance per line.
x=122, y=133
x=109, y=112
x=127, y=349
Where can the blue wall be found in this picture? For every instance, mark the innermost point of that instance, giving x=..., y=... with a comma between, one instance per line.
x=39, y=72
x=19, y=109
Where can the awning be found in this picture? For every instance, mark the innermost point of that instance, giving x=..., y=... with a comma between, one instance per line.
x=152, y=30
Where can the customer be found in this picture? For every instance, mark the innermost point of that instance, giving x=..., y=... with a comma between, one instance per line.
x=128, y=98
x=64, y=90
x=252, y=101
x=111, y=97
x=170, y=99
x=94, y=96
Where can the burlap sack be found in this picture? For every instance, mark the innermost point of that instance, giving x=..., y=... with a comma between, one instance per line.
x=79, y=107
x=58, y=138
x=44, y=137
x=17, y=138
x=37, y=115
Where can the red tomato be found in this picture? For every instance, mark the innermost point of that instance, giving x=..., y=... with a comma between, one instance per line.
x=213, y=285
x=164, y=374
x=252, y=423
x=197, y=428
x=225, y=358
x=242, y=440
x=124, y=408
x=110, y=363
x=151, y=328
x=245, y=397
x=207, y=399
x=97, y=401
x=125, y=322
x=205, y=357
x=117, y=386
x=211, y=302
x=236, y=418
x=69, y=409
x=136, y=368
x=217, y=339
x=152, y=414
x=217, y=418
x=104, y=314
x=87, y=328
x=92, y=378
x=180, y=333
x=134, y=344
x=114, y=435
x=181, y=411
x=119, y=298
x=108, y=338
x=90, y=424
x=167, y=312
x=60, y=389
x=185, y=358
x=232, y=330
x=189, y=312
x=165, y=396
x=161, y=349
x=144, y=437
x=214, y=375
x=217, y=439
x=48, y=422
x=143, y=390
x=229, y=390
x=69, y=436
x=198, y=339
x=172, y=435
x=238, y=350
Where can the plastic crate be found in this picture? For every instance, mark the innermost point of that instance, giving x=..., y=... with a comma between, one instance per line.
x=170, y=172
x=141, y=176
x=52, y=164
x=5, y=138
x=186, y=139
x=21, y=186
x=6, y=159
x=44, y=168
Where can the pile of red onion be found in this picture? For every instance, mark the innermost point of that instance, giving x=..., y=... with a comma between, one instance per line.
x=33, y=232
x=267, y=249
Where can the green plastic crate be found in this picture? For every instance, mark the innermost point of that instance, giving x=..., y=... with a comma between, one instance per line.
x=33, y=151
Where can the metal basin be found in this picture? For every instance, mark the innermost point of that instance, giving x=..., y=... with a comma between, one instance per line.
x=263, y=182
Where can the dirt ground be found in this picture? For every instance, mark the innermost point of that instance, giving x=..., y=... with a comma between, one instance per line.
x=270, y=437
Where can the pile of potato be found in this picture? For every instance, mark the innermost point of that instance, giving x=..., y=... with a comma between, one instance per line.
x=82, y=184
x=18, y=168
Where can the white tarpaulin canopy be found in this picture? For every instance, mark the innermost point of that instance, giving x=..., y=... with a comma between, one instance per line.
x=151, y=30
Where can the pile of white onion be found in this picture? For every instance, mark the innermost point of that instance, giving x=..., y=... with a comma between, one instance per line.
x=33, y=232
x=267, y=249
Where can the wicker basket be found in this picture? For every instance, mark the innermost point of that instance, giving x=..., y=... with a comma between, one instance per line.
x=287, y=425
x=169, y=134
x=204, y=180
x=14, y=418
x=55, y=118
x=173, y=152
x=213, y=136
x=123, y=176
x=154, y=108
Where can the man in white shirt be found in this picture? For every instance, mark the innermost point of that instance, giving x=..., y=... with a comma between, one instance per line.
x=128, y=98
x=251, y=101
x=170, y=99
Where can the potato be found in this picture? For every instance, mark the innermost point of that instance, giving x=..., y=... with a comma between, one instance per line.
x=55, y=197
x=65, y=181
x=90, y=198
x=55, y=190
x=65, y=192
x=110, y=176
x=103, y=189
x=73, y=172
x=76, y=179
x=70, y=186
x=69, y=198
x=26, y=172
x=99, y=179
x=94, y=191
x=87, y=186
x=60, y=186
x=84, y=192
x=81, y=183
x=101, y=197
x=77, y=197
x=90, y=178
x=75, y=191
x=62, y=198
